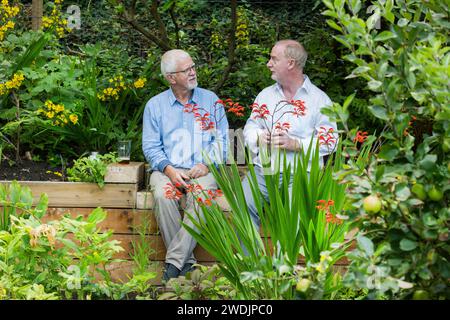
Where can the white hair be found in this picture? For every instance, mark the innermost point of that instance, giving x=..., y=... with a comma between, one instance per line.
x=170, y=60
x=294, y=50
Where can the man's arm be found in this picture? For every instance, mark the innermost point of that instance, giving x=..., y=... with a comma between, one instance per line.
x=152, y=145
x=322, y=123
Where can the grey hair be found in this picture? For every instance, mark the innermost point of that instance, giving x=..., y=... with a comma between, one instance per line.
x=170, y=59
x=294, y=50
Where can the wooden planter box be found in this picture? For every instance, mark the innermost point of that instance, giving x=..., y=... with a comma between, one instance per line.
x=122, y=183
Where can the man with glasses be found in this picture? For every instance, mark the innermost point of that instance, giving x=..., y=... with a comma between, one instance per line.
x=177, y=148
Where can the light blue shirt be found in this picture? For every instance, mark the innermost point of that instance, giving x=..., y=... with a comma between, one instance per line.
x=303, y=128
x=173, y=137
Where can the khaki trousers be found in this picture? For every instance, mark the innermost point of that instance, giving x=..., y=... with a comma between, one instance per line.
x=179, y=243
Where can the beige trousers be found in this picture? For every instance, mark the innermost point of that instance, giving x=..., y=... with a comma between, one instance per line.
x=179, y=243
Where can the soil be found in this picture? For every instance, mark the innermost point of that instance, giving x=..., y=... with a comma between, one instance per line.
x=27, y=170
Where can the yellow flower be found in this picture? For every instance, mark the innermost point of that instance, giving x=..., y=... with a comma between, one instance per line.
x=73, y=118
x=50, y=114
x=59, y=108
x=139, y=83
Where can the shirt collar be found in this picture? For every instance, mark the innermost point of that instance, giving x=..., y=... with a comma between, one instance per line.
x=306, y=85
x=194, y=99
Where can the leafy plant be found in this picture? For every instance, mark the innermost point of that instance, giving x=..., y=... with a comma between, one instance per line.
x=406, y=67
x=205, y=282
x=91, y=168
x=17, y=200
x=264, y=267
x=60, y=259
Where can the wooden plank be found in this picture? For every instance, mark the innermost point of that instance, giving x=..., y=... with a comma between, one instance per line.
x=83, y=194
x=119, y=220
x=132, y=172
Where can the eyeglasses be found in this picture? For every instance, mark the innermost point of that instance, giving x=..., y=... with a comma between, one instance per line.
x=185, y=71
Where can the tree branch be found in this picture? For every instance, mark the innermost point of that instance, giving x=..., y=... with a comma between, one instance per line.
x=177, y=28
x=162, y=26
x=231, y=47
x=129, y=15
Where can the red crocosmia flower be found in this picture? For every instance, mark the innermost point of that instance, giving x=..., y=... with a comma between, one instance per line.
x=360, y=136
x=205, y=121
x=329, y=217
x=172, y=192
x=285, y=126
x=208, y=202
x=260, y=111
x=326, y=137
x=229, y=102
x=194, y=188
x=299, y=107
x=324, y=204
x=213, y=194
x=188, y=108
x=236, y=109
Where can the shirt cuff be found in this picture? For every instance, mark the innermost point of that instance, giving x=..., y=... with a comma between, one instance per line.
x=163, y=164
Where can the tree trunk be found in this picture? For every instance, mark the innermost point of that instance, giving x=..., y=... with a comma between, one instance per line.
x=37, y=11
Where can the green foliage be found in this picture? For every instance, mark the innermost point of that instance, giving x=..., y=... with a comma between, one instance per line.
x=91, y=168
x=17, y=200
x=406, y=66
x=202, y=283
x=254, y=266
x=61, y=259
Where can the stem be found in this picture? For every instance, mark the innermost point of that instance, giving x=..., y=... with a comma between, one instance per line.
x=17, y=103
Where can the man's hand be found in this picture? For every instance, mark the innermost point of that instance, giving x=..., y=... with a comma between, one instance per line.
x=197, y=171
x=281, y=139
x=176, y=176
x=264, y=138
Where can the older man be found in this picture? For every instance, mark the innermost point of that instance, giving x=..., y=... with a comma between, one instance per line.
x=303, y=117
x=174, y=142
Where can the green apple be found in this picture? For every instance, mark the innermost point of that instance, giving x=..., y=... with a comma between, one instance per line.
x=372, y=204
x=421, y=295
x=435, y=194
x=419, y=190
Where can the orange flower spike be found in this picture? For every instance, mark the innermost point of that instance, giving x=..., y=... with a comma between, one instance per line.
x=360, y=136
